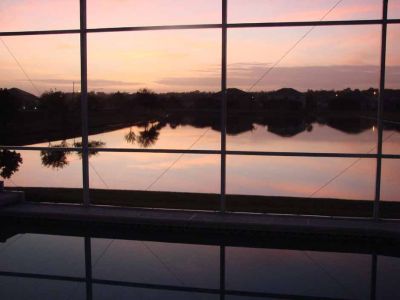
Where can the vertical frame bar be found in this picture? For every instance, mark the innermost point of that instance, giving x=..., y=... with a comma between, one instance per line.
x=84, y=104
x=380, y=110
x=223, y=105
x=88, y=268
x=222, y=272
x=374, y=270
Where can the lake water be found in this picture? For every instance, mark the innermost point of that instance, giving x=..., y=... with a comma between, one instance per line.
x=43, y=266
x=347, y=178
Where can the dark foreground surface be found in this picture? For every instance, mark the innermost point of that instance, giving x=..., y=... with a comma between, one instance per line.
x=201, y=221
x=73, y=254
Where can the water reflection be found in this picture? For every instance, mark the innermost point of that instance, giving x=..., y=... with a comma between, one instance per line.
x=146, y=137
x=91, y=144
x=58, y=158
x=153, y=266
x=285, y=113
x=285, y=120
x=149, y=136
x=130, y=137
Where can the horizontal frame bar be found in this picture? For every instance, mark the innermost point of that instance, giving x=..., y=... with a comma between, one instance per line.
x=313, y=23
x=160, y=286
x=302, y=154
x=212, y=152
x=209, y=290
x=155, y=28
x=204, y=26
x=38, y=148
x=42, y=276
x=40, y=32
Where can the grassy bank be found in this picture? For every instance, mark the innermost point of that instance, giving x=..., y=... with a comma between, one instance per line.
x=197, y=201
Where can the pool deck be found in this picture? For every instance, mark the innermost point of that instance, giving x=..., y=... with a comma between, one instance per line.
x=230, y=223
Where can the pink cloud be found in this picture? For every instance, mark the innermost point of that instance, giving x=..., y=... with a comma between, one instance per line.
x=38, y=15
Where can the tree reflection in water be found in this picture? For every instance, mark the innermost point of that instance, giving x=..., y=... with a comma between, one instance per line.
x=146, y=137
x=130, y=137
x=149, y=136
x=91, y=144
x=10, y=162
x=58, y=158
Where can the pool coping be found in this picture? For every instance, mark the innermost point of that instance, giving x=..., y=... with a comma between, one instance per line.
x=229, y=222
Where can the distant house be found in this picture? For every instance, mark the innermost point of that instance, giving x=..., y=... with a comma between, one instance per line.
x=24, y=100
x=238, y=99
x=287, y=98
x=323, y=98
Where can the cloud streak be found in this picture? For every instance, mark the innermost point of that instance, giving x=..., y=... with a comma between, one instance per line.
x=93, y=83
x=243, y=75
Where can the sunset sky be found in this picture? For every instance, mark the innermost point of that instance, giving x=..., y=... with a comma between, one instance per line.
x=329, y=58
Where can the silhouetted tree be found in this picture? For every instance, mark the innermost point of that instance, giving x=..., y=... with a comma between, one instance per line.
x=93, y=102
x=54, y=103
x=148, y=98
x=10, y=162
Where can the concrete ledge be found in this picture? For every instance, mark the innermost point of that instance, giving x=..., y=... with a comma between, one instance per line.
x=11, y=197
x=206, y=221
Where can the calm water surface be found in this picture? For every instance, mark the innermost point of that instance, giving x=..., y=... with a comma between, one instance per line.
x=41, y=266
x=255, y=175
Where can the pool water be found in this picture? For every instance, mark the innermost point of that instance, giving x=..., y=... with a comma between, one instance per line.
x=46, y=266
